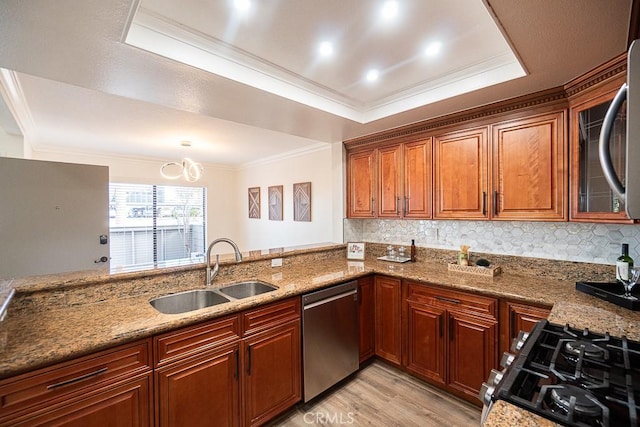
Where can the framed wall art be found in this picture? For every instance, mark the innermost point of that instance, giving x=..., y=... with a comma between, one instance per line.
x=275, y=203
x=254, y=202
x=302, y=201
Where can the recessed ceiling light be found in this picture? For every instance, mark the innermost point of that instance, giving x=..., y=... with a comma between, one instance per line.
x=242, y=5
x=389, y=9
x=325, y=49
x=372, y=75
x=433, y=48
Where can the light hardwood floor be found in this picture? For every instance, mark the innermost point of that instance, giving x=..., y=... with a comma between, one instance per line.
x=382, y=396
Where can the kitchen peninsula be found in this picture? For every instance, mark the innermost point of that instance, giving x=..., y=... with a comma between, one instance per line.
x=57, y=318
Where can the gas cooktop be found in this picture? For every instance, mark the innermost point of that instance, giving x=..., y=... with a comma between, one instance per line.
x=572, y=377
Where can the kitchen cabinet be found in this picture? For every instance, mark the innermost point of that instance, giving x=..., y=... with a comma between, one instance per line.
x=239, y=370
x=366, y=313
x=451, y=337
x=529, y=168
x=391, y=181
x=361, y=184
x=460, y=174
x=516, y=317
x=112, y=387
x=592, y=200
x=388, y=312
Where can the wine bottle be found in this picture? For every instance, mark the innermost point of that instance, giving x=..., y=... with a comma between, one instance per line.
x=413, y=250
x=623, y=263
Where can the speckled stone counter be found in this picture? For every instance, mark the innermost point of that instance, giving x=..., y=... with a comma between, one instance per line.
x=59, y=317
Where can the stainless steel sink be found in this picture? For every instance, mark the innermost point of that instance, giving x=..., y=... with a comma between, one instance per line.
x=187, y=301
x=246, y=289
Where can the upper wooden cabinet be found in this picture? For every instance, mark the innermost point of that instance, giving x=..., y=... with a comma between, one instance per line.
x=460, y=175
x=529, y=179
x=591, y=198
x=361, y=180
x=393, y=181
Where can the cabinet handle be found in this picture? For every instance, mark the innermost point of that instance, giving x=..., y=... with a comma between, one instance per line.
x=484, y=203
x=77, y=379
x=495, y=202
x=398, y=206
x=372, y=204
x=236, y=352
x=454, y=301
x=404, y=208
x=249, y=360
x=450, y=328
x=441, y=326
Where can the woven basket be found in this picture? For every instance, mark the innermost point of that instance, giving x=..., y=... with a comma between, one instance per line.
x=478, y=271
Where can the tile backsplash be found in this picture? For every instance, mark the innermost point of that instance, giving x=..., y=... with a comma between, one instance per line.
x=569, y=241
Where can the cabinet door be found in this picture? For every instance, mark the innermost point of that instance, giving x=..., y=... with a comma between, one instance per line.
x=425, y=338
x=388, y=319
x=125, y=404
x=366, y=310
x=516, y=317
x=389, y=184
x=530, y=172
x=460, y=175
x=361, y=184
x=592, y=200
x=417, y=179
x=272, y=372
x=473, y=346
x=201, y=390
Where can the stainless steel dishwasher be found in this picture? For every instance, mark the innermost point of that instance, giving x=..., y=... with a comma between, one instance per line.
x=330, y=333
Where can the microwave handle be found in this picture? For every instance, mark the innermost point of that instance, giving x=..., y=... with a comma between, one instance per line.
x=603, y=146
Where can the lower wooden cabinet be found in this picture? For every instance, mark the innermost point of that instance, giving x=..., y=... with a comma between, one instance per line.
x=272, y=369
x=112, y=387
x=200, y=391
x=451, y=337
x=239, y=370
x=388, y=314
x=366, y=311
x=516, y=317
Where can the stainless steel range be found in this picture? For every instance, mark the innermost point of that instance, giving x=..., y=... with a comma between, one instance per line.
x=570, y=376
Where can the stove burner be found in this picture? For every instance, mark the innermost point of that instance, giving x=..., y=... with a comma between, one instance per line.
x=585, y=403
x=591, y=350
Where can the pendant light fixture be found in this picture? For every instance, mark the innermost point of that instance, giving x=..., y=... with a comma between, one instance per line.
x=187, y=168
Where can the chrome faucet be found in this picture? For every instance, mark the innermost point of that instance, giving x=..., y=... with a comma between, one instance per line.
x=212, y=274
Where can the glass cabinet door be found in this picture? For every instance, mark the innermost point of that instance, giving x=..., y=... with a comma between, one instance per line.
x=592, y=199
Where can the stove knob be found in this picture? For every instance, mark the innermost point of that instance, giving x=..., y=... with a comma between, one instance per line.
x=486, y=392
x=495, y=377
x=507, y=359
x=519, y=341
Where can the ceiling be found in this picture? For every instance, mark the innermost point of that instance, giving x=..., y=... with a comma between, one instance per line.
x=134, y=78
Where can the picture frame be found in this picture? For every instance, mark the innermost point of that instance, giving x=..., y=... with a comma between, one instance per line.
x=355, y=250
x=302, y=201
x=275, y=202
x=254, y=202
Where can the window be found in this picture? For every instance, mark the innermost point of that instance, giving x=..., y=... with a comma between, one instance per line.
x=155, y=226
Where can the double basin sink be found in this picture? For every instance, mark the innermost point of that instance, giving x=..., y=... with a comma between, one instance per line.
x=196, y=299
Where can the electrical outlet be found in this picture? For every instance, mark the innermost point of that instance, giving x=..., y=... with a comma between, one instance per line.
x=276, y=262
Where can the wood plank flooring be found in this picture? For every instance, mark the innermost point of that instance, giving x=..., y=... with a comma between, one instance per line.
x=382, y=396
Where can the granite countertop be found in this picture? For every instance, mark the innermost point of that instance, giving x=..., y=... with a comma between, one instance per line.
x=50, y=324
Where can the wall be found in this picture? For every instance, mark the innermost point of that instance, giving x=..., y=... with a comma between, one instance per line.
x=582, y=242
x=320, y=167
x=11, y=145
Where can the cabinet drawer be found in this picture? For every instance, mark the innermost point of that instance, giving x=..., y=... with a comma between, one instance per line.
x=77, y=376
x=451, y=300
x=266, y=317
x=177, y=344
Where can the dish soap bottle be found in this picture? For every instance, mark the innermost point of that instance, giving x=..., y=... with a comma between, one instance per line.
x=623, y=263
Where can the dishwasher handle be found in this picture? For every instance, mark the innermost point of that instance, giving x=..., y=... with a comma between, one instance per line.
x=353, y=292
x=329, y=292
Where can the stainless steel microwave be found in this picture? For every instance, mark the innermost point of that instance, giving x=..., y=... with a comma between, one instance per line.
x=629, y=191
